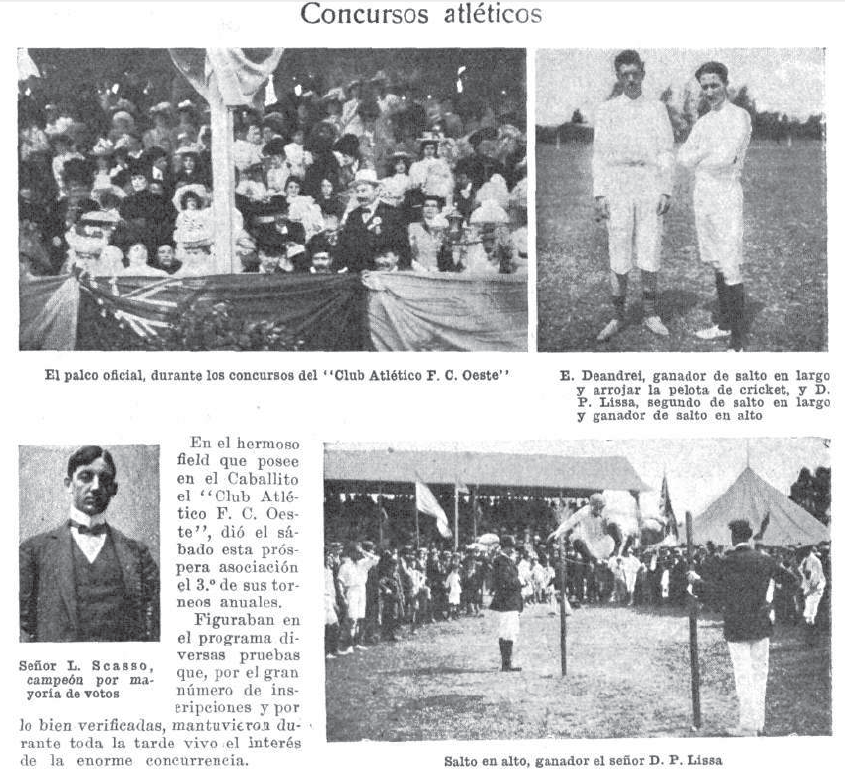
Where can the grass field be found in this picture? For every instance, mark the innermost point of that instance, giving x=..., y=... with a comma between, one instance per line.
x=785, y=257
x=628, y=676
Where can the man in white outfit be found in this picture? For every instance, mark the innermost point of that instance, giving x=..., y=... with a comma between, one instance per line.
x=813, y=583
x=716, y=150
x=632, y=185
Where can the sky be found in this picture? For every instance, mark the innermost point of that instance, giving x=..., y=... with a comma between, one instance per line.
x=789, y=80
x=697, y=471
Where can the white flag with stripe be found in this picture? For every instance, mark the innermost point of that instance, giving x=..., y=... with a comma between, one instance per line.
x=427, y=504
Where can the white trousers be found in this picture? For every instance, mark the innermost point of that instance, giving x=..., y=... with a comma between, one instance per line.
x=811, y=605
x=634, y=230
x=718, y=224
x=509, y=625
x=751, y=672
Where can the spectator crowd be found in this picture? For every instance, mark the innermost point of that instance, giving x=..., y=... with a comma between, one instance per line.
x=382, y=594
x=361, y=175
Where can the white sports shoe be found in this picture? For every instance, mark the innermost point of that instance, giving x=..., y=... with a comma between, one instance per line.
x=655, y=325
x=609, y=330
x=714, y=332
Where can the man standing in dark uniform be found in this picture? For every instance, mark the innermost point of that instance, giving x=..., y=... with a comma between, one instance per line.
x=744, y=581
x=85, y=580
x=507, y=600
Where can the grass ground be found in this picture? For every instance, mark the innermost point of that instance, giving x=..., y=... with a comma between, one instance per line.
x=628, y=676
x=785, y=257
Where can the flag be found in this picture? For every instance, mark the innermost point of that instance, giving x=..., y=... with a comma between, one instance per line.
x=668, y=515
x=427, y=504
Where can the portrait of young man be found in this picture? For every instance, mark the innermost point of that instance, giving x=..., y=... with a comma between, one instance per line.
x=82, y=579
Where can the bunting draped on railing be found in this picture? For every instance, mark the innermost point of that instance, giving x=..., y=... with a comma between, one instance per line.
x=396, y=311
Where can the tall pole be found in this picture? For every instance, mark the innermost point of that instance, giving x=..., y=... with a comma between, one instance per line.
x=417, y=519
x=223, y=175
x=456, y=516
x=561, y=550
x=693, y=636
x=380, y=514
x=475, y=513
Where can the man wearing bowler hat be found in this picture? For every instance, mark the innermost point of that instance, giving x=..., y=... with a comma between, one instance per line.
x=507, y=600
x=85, y=580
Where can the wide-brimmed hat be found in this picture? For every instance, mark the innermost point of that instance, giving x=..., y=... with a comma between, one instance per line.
x=276, y=146
x=348, y=144
x=102, y=149
x=489, y=212
x=195, y=189
x=399, y=155
x=112, y=189
x=429, y=137
x=163, y=107
x=88, y=236
x=366, y=176
x=188, y=149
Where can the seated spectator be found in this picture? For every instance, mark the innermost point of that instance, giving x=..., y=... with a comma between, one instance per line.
x=320, y=253
x=431, y=174
x=426, y=236
x=278, y=171
x=166, y=260
x=396, y=184
x=330, y=204
x=251, y=184
x=137, y=256
x=297, y=157
x=246, y=150
x=191, y=171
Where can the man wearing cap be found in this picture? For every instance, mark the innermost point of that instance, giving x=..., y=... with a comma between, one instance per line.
x=744, y=582
x=507, y=600
x=632, y=184
x=85, y=580
x=716, y=150
x=369, y=226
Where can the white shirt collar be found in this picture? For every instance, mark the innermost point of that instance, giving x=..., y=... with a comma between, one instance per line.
x=84, y=519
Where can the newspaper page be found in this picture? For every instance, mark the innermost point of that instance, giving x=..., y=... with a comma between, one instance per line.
x=579, y=517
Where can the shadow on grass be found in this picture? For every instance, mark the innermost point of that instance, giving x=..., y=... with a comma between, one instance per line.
x=438, y=671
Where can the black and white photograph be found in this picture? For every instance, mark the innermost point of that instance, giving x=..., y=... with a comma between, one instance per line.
x=578, y=590
x=681, y=199
x=273, y=199
x=89, y=553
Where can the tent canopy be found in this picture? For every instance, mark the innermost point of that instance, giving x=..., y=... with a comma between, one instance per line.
x=490, y=472
x=775, y=518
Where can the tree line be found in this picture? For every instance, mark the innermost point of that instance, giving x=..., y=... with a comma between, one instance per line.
x=686, y=107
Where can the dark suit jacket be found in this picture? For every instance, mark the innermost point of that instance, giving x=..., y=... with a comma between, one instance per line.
x=48, y=592
x=741, y=580
x=360, y=238
x=507, y=589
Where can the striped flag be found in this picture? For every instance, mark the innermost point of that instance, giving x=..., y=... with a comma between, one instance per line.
x=427, y=504
x=668, y=515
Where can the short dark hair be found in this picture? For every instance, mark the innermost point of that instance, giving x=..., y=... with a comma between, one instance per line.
x=86, y=455
x=741, y=530
x=713, y=68
x=628, y=56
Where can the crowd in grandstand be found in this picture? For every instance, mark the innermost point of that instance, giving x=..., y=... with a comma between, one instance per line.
x=363, y=175
x=382, y=594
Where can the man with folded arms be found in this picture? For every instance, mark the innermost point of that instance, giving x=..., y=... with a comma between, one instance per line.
x=716, y=150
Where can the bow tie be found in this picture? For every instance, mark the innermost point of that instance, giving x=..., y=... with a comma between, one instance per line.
x=94, y=531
